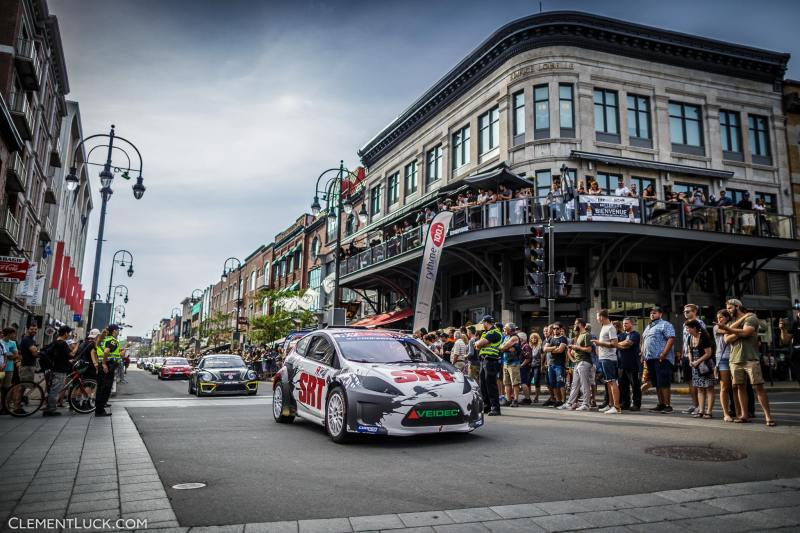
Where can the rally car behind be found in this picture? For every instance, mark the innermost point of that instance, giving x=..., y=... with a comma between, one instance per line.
x=373, y=382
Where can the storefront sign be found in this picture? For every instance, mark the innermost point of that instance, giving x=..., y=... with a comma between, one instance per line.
x=434, y=244
x=13, y=269
x=609, y=209
x=540, y=67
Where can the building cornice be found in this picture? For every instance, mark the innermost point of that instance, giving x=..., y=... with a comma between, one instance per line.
x=583, y=30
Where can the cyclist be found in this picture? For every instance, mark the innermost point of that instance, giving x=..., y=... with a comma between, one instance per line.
x=60, y=365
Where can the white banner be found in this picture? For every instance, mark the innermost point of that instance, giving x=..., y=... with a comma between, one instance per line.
x=329, y=283
x=25, y=288
x=608, y=209
x=434, y=243
x=38, y=292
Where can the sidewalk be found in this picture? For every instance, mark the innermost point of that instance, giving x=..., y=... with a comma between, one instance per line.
x=82, y=468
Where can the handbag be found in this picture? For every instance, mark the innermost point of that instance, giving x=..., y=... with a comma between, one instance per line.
x=704, y=369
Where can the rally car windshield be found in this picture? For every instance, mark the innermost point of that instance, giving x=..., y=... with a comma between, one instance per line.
x=224, y=362
x=176, y=361
x=384, y=350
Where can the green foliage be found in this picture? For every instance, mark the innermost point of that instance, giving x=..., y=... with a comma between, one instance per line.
x=216, y=328
x=283, y=318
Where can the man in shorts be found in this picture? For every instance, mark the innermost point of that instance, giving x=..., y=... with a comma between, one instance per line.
x=742, y=336
x=607, y=353
x=556, y=346
x=658, y=340
x=511, y=352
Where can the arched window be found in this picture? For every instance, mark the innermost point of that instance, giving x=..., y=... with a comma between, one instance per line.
x=315, y=247
x=253, y=277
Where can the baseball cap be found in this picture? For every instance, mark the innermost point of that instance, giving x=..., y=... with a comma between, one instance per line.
x=113, y=327
x=657, y=308
x=94, y=333
x=488, y=318
x=734, y=301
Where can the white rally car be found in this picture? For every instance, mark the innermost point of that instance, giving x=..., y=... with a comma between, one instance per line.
x=373, y=382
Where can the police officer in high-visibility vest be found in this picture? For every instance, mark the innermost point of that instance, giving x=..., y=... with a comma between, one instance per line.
x=106, y=359
x=488, y=348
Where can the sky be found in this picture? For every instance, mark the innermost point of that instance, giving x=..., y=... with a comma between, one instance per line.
x=237, y=106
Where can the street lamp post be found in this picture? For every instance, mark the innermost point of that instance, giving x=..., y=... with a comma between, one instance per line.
x=117, y=289
x=194, y=299
x=106, y=178
x=120, y=262
x=225, y=271
x=330, y=193
x=175, y=313
x=119, y=311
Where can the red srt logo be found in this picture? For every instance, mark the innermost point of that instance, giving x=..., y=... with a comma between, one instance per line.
x=437, y=233
x=409, y=376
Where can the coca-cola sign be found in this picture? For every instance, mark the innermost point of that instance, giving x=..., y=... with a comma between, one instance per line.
x=13, y=269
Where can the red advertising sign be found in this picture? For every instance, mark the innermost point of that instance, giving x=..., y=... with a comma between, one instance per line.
x=13, y=269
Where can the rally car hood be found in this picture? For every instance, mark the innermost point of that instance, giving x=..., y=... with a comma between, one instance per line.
x=415, y=379
x=219, y=373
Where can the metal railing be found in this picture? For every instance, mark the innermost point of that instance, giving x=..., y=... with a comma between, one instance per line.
x=27, y=48
x=17, y=166
x=19, y=104
x=606, y=209
x=11, y=225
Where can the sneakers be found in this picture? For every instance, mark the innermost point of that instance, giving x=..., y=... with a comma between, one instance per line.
x=525, y=401
x=505, y=403
x=602, y=407
x=635, y=408
x=690, y=411
x=666, y=409
x=493, y=412
x=563, y=407
x=514, y=403
x=612, y=411
x=548, y=403
x=583, y=408
x=657, y=409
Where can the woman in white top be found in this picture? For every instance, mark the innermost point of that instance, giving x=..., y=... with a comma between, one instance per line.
x=723, y=366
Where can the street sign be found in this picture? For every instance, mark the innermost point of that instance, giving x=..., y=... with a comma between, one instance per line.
x=13, y=269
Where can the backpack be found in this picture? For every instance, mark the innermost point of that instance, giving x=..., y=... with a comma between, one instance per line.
x=45, y=356
x=85, y=351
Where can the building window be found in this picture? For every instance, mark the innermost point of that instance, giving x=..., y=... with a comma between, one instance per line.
x=759, y=139
x=566, y=110
x=297, y=258
x=314, y=283
x=544, y=180
x=518, y=128
x=685, y=128
x=460, y=148
x=290, y=264
x=433, y=162
x=770, y=201
x=689, y=189
x=393, y=189
x=253, y=276
x=266, y=275
x=489, y=130
x=606, y=119
x=730, y=131
x=375, y=200
x=315, y=247
x=642, y=184
x=639, y=121
x=736, y=195
x=541, y=106
x=330, y=228
x=607, y=182
x=410, y=172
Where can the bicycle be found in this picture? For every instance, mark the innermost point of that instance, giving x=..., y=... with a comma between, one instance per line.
x=27, y=397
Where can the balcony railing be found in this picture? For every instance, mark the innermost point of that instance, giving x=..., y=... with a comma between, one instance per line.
x=29, y=66
x=55, y=152
x=22, y=114
x=10, y=225
x=16, y=174
x=606, y=209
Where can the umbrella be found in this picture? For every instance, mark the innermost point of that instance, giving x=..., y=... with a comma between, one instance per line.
x=491, y=179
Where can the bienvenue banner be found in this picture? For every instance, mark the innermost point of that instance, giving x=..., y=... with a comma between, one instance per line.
x=609, y=209
x=434, y=243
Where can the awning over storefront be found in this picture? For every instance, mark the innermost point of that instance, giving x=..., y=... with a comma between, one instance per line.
x=651, y=165
x=385, y=318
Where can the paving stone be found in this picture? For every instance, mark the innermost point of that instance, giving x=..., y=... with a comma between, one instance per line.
x=168, y=524
x=607, y=518
x=589, y=504
x=516, y=525
x=474, y=514
x=614, y=529
x=144, y=495
x=271, y=527
x=325, y=525
x=423, y=529
x=145, y=505
x=559, y=507
x=94, y=505
x=159, y=515
x=562, y=522
x=643, y=500
x=522, y=510
x=140, y=487
x=139, y=472
x=93, y=480
x=95, y=496
x=175, y=529
x=95, y=487
x=96, y=472
x=788, y=482
x=783, y=517
x=654, y=514
x=462, y=528
x=681, y=495
x=752, y=502
x=695, y=509
x=217, y=529
x=374, y=523
x=426, y=518
x=125, y=479
x=47, y=505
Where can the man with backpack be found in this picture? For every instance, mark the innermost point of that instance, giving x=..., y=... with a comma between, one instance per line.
x=58, y=356
x=29, y=351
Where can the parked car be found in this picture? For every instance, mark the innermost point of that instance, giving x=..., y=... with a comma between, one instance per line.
x=222, y=374
x=156, y=365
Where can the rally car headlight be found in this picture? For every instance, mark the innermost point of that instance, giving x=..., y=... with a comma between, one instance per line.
x=376, y=384
x=251, y=374
x=205, y=376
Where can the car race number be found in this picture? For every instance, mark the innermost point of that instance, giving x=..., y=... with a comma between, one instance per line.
x=409, y=376
x=311, y=390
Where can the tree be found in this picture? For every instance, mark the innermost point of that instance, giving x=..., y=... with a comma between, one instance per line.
x=285, y=316
x=216, y=328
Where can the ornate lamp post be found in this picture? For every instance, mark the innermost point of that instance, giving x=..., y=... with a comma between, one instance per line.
x=122, y=290
x=176, y=314
x=332, y=193
x=227, y=268
x=106, y=178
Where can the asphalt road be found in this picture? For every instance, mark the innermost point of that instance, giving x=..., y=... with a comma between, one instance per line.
x=279, y=472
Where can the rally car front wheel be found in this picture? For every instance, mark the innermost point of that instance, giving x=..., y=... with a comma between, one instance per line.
x=278, y=404
x=336, y=416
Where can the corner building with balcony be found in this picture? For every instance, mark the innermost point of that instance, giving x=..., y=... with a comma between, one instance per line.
x=597, y=99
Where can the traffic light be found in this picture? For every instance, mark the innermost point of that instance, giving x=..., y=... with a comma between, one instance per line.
x=535, y=263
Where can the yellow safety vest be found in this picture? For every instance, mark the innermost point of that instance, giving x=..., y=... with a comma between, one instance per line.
x=492, y=350
x=113, y=355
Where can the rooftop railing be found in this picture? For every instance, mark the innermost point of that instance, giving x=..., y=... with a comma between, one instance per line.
x=588, y=209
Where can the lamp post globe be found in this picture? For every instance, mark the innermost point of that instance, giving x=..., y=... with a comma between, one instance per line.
x=125, y=299
x=139, y=188
x=106, y=177
x=332, y=214
x=347, y=206
x=130, y=271
x=362, y=214
x=224, y=276
x=72, y=179
x=315, y=207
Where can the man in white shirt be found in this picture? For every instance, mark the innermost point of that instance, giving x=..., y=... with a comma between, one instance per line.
x=621, y=189
x=606, y=345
